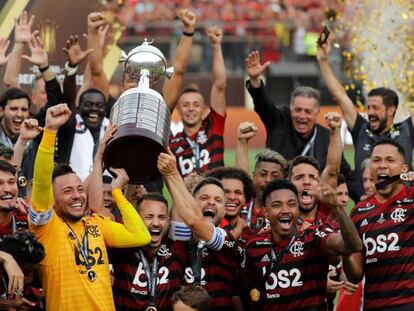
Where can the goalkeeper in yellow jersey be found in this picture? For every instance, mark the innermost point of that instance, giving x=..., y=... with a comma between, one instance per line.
x=75, y=273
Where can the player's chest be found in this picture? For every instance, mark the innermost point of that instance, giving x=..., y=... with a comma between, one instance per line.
x=387, y=232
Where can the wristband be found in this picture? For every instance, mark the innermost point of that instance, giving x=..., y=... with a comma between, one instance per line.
x=43, y=69
x=70, y=70
x=188, y=34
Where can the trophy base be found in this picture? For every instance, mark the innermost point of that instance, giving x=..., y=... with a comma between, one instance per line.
x=137, y=152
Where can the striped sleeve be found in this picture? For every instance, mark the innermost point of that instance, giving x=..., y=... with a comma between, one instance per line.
x=40, y=218
x=179, y=231
x=217, y=241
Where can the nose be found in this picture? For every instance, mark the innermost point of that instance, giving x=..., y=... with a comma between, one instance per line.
x=268, y=178
x=230, y=196
x=76, y=194
x=155, y=222
x=306, y=180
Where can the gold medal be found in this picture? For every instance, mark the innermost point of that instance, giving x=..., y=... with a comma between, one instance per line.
x=91, y=274
x=151, y=308
x=254, y=294
x=22, y=181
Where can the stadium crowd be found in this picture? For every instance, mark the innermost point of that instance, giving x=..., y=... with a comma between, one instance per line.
x=76, y=237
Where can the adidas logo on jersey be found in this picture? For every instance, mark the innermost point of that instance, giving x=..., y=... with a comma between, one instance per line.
x=179, y=150
x=265, y=258
x=364, y=222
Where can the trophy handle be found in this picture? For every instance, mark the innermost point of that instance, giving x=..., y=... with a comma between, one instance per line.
x=123, y=57
x=169, y=72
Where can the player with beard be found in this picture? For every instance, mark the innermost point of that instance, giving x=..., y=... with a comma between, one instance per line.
x=75, y=271
x=384, y=220
x=304, y=173
x=294, y=267
x=238, y=189
x=213, y=250
x=11, y=221
x=382, y=106
x=161, y=263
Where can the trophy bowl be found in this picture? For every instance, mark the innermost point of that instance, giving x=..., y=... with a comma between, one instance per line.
x=142, y=117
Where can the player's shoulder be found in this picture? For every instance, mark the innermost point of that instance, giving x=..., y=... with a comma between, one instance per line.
x=364, y=206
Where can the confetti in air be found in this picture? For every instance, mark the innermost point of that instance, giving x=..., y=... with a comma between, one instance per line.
x=381, y=46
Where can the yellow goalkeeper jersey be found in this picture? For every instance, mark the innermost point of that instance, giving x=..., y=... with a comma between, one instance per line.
x=63, y=271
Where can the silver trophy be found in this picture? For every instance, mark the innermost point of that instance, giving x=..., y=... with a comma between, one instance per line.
x=142, y=117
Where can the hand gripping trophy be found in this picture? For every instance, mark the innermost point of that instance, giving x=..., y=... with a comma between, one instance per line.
x=142, y=117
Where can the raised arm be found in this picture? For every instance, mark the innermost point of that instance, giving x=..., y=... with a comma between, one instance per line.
x=335, y=88
x=94, y=180
x=22, y=35
x=245, y=132
x=75, y=56
x=38, y=56
x=347, y=241
x=263, y=104
x=133, y=232
x=30, y=129
x=184, y=203
x=4, y=45
x=334, y=156
x=42, y=194
x=99, y=79
x=218, y=72
x=172, y=87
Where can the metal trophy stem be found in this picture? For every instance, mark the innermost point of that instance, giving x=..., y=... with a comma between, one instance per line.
x=142, y=117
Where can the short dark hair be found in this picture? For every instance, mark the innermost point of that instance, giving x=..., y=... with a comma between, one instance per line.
x=191, y=89
x=235, y=173
x=61, y=169
x=6, y=152
x=11, y=94
x=193, y=296
x=152, y=196
x=7, y=167
x=278, y=184
x=303, y=159
x=268, y=155
x=207, y=181
x=90, y=91
x=389, y=97
x=341, y=179
x=388, y=141
x=106, y=179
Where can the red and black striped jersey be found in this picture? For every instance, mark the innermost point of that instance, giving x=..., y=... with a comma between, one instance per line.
x=298, y=280
x=387, y=232
x=130, y=288
x=209, y=139
x=218, y=272
x=32, y=289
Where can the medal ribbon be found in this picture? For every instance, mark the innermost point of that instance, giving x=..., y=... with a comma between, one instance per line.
x=195, y=147
x=84, y=247
x=151, y=276
x=196, y=255
x=276, y=258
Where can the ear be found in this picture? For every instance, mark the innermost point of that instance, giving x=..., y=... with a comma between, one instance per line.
x=404, y=168
x=391, y=111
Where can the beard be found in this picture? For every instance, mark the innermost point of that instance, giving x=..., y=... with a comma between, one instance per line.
x=306, y=210
x=7, y=209
x=381, y=127
x=230, y=217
